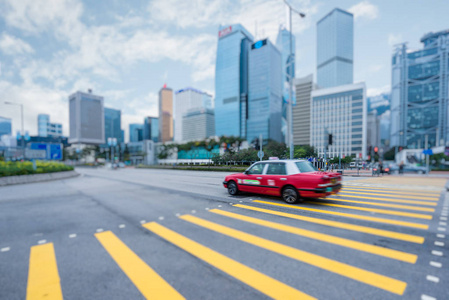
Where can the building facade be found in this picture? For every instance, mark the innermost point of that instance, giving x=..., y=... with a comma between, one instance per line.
x=86, y=118
x=187, y=99
x=301, y=111
x=373, y=129
x=112, y=125
x=335, y=49
x=198, y=124
x=135, y=133
x=231, y=80
x=419, y=96
x=5, y=126
x=340, y=111
x=151, y=129
x=265, y=92
x=45, y=128
x=165, y=114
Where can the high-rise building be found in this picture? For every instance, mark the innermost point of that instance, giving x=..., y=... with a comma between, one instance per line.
x=419, y=95
x=135, y=133
x=198, y=124
x=340, y=111
x=165, y=114
x=288, y=70
x=231, y=80
x=5, y=126
x=45, y=128
x=335, y=49
x=301, y=111
x=151, y=129
x=112, y=125
x=265, y=92
x=185, y=100
x=373, y=129
x=86, y=116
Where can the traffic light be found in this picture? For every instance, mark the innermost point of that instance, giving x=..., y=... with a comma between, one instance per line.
x=376, y=149
x=329, y=142
x=256, y=144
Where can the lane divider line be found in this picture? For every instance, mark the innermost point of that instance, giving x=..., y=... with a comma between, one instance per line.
x=345, y=191
x=377, y=280
x=369, y=230
x=408, y=207
x=43, y=276
x=146, y=280
x=343, y=242
x=257, y=280
x=352, y=216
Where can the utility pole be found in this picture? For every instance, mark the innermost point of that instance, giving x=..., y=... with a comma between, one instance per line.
x=427, y=155
x=260, y=143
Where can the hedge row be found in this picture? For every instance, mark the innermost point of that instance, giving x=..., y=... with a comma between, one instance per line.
x=25, y=168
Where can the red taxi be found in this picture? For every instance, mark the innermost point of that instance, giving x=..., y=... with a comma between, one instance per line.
x=293, y=180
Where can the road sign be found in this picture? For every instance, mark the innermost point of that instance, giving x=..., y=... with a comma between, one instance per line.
x=35, y=154
x=52, y=151
x=260, y=154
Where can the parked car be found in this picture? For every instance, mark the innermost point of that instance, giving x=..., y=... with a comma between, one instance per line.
x=394, y=169
x=293, y=180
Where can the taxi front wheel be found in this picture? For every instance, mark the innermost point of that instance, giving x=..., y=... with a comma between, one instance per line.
x=290, y=195
x=232, y=188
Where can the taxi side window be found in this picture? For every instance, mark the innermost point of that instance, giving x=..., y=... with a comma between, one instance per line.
x=276, y=169
x=256, y=169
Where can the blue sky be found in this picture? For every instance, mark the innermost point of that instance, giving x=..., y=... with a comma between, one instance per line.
x=126, y=50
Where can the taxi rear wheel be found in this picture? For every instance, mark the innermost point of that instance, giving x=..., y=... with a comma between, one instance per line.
x=232, y=188
x=290, y=195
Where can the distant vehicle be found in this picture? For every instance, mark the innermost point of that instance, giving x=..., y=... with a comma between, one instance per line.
x=352, y=164
x=121, y=165
x=293, y=180
x=394, y=169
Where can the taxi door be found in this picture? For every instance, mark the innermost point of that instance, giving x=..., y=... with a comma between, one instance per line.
x=251, y=180
x=275, y=177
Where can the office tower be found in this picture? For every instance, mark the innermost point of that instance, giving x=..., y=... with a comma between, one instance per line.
x=335, y=49
x=419, y=95
x=122, y=135
x=340, y=111
x=301, y=111
x=288, y=71
x=151, y=129
x=112, y=125
x=45, y=128
x=265, y=92
x=165, y=114
x=185, y=100
x=198, y=124
x=231, y=80
x=5, y=126
x=135, y=133
x=86, y=118
x=373, y=129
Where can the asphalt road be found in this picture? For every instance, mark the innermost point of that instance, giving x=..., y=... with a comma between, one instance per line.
x=142, y=233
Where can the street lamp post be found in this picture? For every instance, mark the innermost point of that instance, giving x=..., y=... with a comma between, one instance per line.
x=22, y=133
x=290, y=77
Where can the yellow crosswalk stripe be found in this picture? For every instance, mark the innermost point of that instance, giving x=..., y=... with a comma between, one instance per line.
x=259, y=281
x=380, y=281
x=409, y=207
x=149, y=283
x=391, y=191
x=390, y=253
x=424, y=201
x=369, y=230
x=381, y=211
x=43, y=276
x=353, y=216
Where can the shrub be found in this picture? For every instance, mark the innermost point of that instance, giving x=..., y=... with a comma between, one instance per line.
x=24, y=168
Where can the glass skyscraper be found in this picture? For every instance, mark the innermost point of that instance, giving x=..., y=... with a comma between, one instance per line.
x=231, y=80
x=151, y=129
x=112, y=125
x=419, y=96
x=265, y=92
x=335, y=47
x=135, y=133
x=5, y=126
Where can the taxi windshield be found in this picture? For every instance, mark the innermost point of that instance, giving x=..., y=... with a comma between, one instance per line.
x=305, y=166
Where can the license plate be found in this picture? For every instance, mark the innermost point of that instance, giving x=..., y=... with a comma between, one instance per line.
x=328, y=190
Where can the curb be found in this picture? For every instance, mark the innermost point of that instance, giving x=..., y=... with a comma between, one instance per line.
x=24, y=179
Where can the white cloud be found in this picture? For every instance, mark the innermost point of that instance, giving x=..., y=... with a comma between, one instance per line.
x=12, y=45
x=375, y=68
x=394, y=39
x=364, y=9
x=377, y=91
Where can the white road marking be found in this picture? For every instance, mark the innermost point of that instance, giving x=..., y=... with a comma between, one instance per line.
x=193, y=211
x=441, y=229
x=444, y=214
x=207, y=208
x=99, y=229
x=436, y=264
x=5, y=249
x=219, y=205
x=433, y=278
x=241, y=201
x=161, y=218
x=42, y=242
x=443, y=224
x=425, y=297
x=178, y=214
x=441, y=236
x=443, y=218
x=437, y=253
x=143, y=222
x=441, y=244
x=121, y=226
x=73, y=235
